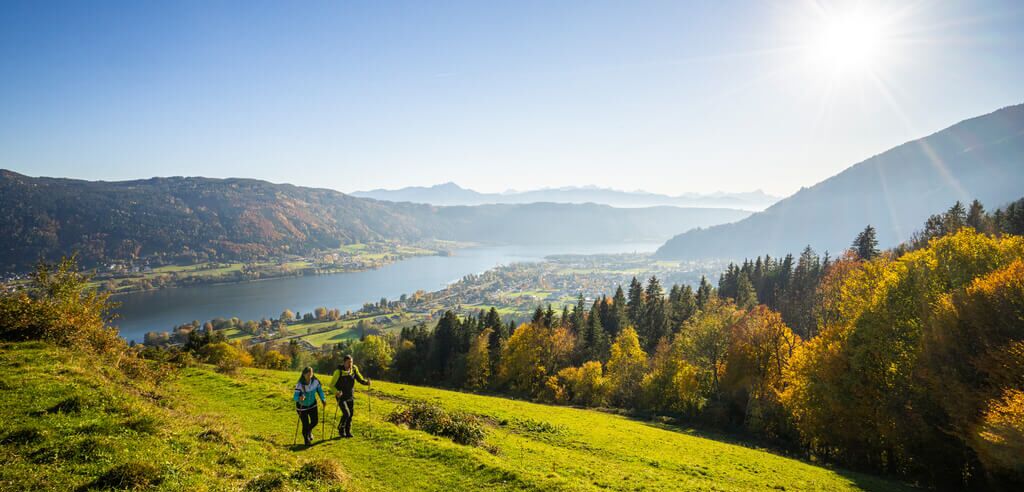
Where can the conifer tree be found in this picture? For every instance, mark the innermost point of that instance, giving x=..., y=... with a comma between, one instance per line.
x=703, y=293
x=977, y=218
x=618, y=313
x=866, y=244
x=654, y=324
x=635, y=304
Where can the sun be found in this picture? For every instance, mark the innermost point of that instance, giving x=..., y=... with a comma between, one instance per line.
x=851, y=41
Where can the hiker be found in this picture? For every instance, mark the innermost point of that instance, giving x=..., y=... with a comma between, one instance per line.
x=306, y=391
x=344, y=382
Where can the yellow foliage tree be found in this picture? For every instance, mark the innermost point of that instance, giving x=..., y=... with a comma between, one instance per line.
x=478, y=361
x=626, y=367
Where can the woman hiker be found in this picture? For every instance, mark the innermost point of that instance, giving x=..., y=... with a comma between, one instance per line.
x=344, y=382
x=306, y=391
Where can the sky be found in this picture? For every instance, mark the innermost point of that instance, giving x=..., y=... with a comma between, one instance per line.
x=668, y=97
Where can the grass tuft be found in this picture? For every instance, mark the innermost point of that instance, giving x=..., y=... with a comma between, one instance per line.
x=26, y=435
x=322, y=470
x=144, y=424
x=213, y=435
x=69, y=406
x=270, y=482
x=128, y=476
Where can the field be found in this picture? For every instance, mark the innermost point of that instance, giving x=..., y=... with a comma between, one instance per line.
x=78, y=421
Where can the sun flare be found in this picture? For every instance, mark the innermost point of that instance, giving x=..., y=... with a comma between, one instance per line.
x=852, y=41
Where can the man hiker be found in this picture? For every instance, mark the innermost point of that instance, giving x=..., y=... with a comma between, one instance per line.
x=306, y=391
x=344, y=382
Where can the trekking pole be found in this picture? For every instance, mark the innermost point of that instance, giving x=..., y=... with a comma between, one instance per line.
x=323, y=423
x=335, y=420
x=369, y=414
x=296, y=433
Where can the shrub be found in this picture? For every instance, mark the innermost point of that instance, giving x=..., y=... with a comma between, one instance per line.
x=59, y=306
x=227, y=357
x=460, y=427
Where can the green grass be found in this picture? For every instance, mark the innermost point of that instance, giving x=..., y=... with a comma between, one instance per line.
x=207, y=431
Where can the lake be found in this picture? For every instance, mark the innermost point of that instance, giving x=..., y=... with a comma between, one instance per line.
x=161, y=310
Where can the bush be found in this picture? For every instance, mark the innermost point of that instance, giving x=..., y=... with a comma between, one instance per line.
x=461, y=428
x=58, y=306
x=227, y=357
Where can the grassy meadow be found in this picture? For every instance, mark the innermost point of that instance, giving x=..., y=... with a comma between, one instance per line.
x=88, y=426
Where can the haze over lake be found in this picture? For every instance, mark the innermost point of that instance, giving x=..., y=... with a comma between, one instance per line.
x=161, y=310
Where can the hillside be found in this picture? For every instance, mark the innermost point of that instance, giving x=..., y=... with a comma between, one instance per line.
x=88, y=425
x=895, y=191
x=453, y=194
x=187, y=220
x=183, y=218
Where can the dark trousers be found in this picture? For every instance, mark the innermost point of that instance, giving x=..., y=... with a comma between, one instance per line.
x=309, y=418
x=348, y=408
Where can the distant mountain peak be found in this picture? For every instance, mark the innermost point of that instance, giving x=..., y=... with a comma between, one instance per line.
x=894, y=191
x=452, y=194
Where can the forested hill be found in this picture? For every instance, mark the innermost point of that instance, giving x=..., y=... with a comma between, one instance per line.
x=192, y=219
x=895, y=191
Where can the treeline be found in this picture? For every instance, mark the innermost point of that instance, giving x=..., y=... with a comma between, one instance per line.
x=908, y=361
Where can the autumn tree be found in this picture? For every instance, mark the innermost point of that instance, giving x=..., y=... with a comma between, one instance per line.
x=706, y=342
x=478, y=361
x=626, y=368
x=760, y=346
x=374, y=355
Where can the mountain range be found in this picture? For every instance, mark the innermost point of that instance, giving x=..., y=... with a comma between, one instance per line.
x=895, y=191
x=453, y=194
x=184, y=219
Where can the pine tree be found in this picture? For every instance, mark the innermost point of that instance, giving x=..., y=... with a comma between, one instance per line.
x=976, y=217
x=703, y=293
x=538, y=316
x=635, y=304
x=579, y=314
x=597, y=339
x=549, y=317
x=866, y=244
x=746, y=296
x=654, y=324
x=682, y=305
x=618, y=313
x=955, y=218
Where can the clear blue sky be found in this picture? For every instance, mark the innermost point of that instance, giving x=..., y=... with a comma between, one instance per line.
x=665, y=96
